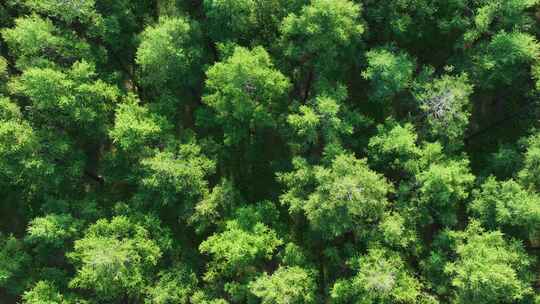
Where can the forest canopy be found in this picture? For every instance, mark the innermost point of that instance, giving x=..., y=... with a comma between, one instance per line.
x=270, y=151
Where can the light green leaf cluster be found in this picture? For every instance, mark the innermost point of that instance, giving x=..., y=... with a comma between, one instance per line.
x=321, y=30
x=237, y=250
x=346, y=196
x=390, y=72
x=246, y=93
x=394, y=148
x=52, y=229
x=68, y=10
x=74, y=99
x=320, y=123
x=287, y=285
x=136, y=127
x=44, y=292
x=113, y=258
x=506, y=205
x=54, y=45
x=488, y=268
x=174, y=286
x=175, y=177
x=219, y=203
x=381, y=277
x=170, y=54
x=506, y=57
x=442, y=186
x=500, y=14
x=20, y=144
